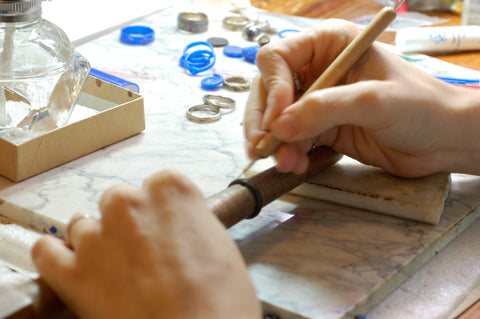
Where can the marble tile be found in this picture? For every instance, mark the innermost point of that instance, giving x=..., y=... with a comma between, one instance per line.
x=330, y=261
x=353, y=184
x=307, y=258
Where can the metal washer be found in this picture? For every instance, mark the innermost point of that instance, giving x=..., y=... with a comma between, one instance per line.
x=217, y=41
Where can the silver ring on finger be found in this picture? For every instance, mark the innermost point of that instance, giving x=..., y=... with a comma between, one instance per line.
x=68, y=230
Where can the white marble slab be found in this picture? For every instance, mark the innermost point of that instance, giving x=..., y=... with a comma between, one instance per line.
x=350, y=183
x=307, y=258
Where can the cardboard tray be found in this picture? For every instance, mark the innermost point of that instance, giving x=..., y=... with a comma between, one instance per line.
x=124, y=118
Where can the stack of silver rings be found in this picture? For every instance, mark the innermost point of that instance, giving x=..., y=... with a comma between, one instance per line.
x=211, y=109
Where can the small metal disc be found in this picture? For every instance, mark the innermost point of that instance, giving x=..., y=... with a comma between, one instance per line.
x=217, y=41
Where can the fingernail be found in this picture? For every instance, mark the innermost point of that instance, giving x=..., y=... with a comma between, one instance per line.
x=284, y=127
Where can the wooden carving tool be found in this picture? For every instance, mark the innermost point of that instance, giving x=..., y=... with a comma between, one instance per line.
x=245, y=197
x=336, y=70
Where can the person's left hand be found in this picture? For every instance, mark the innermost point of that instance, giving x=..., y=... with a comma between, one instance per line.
x=157, y=252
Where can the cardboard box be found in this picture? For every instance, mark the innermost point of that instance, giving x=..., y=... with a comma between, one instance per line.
x=121, y=116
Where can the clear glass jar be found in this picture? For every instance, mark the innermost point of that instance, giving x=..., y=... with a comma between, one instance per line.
x=41, y=74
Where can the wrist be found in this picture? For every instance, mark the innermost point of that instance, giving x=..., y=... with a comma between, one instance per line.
x=462, y=154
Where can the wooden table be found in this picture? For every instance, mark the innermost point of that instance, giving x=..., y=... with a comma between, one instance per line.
x=351, y=9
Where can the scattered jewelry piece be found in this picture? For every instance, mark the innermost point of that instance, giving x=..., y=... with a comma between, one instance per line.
x=235, y=23
x=221, y=102
x=253, y=30
x=287, y=32
x=212, y=82
x=137, y=35
x=314, y=142
x=192, y=22
x=233, y=51
x=68, y=230
x=264, y=39
x=236, y=84
x=198, y=57
x=250, y=53
x=203, y=113
x=297, y=81
x=199, y=61
x=217, y=41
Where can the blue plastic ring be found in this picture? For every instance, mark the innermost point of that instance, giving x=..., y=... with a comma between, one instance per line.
x=194, y=44
x=137, y=35
x=212, y=82
x=283, y=34
x=190, y=63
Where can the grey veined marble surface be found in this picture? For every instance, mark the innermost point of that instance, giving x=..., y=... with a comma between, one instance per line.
x=307, y=258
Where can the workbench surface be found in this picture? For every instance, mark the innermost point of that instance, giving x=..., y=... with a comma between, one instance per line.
x=307, y=258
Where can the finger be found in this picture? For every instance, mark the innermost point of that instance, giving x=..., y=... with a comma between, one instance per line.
x=80, y=225
x=169, y=186
x=315, y=48
x=277, y=78
x=326, y=109
x=54, y=261
x=291, y=158
x=177, y=200
x=253, y=115
x=118, y=205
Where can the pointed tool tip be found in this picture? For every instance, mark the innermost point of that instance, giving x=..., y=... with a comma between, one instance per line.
x=249, y=165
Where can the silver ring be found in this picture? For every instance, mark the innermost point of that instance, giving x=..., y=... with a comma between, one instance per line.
x=297, y=81
x=192, y=22
x=236, y=84
x=314, y=142
x=235, y=23
x=71, y=223
x=209, y=113
x=221, y=102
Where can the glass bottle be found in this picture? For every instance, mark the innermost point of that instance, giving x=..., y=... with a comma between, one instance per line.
x=41, y=74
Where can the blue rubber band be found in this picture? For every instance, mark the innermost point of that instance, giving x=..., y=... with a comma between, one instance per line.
x=284, y=33
x=199, y=60
x=137, y=35
x=192, y=66
x=212, y=82
x=195, y=44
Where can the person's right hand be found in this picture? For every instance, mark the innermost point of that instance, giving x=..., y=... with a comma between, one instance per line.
x=384, y=112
